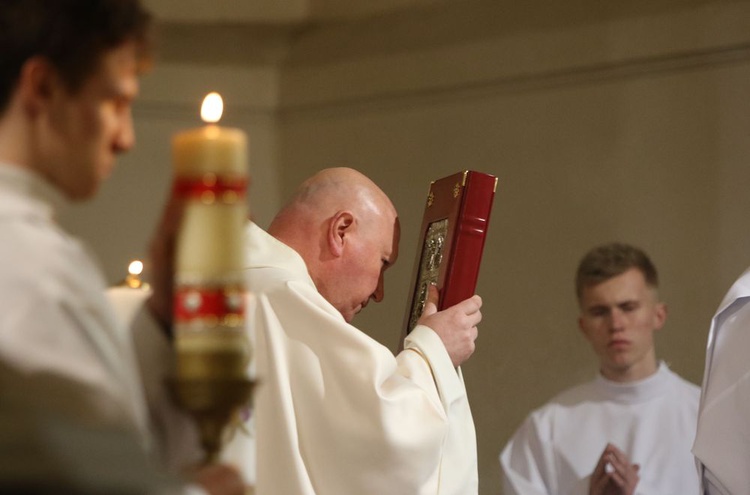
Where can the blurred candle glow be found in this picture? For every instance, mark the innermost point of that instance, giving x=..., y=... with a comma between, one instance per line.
x=135, y=267
x=133, y=279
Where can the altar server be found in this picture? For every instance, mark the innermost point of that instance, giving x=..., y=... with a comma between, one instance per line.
x=629, y=431
x=69, y=72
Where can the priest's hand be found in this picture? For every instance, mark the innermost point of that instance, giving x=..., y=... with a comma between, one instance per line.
x=161, y=254
x=456, y=326
x=219, y=479
x=614, y=474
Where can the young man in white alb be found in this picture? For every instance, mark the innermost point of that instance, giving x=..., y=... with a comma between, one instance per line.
x=629, y=431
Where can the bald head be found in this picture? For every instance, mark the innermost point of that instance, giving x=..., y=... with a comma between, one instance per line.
x=331, y=190
x=346, y=230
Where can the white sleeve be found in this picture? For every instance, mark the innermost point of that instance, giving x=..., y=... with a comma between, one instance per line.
x=174, y=431
x=527, y=462
x=447, y=379
x=459, y=471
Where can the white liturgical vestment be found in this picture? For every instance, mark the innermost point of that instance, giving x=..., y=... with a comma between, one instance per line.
x=335, y=412
x=722, y=445
x=55, y=321
x=652, y=421
x=69, y=378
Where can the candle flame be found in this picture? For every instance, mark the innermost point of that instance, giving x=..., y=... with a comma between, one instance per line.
x=135, y=268
x=212, y=107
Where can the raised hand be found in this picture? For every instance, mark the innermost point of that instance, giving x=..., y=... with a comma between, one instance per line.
x=456, y=326
x=219, y=479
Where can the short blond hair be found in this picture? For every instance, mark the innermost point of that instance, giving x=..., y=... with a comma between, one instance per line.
x=609, y=260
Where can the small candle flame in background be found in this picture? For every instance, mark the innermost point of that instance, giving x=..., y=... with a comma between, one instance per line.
x=212, y=108
x=133, y=279
x=135, y=268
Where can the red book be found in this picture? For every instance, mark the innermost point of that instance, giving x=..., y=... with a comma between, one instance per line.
x=451, y=240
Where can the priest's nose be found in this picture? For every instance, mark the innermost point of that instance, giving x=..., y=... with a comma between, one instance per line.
x=379, y=293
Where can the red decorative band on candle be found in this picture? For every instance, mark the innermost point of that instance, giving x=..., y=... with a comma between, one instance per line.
x=211, y=188
x=215, y=303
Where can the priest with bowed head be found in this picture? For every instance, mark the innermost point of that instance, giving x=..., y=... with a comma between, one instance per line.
x=336, y=412
x=69, y=72
x=630, y=430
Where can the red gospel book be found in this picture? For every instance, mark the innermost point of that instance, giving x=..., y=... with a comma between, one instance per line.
x=451, y=240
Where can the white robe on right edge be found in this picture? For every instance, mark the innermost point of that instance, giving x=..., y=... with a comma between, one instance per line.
x=722, y=444
x=652, y=421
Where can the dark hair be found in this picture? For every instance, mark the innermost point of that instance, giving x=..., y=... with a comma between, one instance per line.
x=610, y=260
x=72, y=35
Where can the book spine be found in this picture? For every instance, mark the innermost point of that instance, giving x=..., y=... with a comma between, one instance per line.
x=469, y=238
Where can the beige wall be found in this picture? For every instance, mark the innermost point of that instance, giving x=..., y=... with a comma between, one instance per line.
x=624, y=125
x=631, y=129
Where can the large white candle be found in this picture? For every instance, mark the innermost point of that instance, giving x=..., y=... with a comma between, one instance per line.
x=210, y=165
x=211, y=174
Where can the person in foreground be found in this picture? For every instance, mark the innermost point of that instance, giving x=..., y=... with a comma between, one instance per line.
x=336, y=412
x=69, y=72
x=721, y=447
x=630, y=430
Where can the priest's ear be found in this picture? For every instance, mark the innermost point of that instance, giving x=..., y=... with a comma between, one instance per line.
x=339, y=228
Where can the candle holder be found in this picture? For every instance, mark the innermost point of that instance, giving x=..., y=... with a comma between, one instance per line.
x=212, y=403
